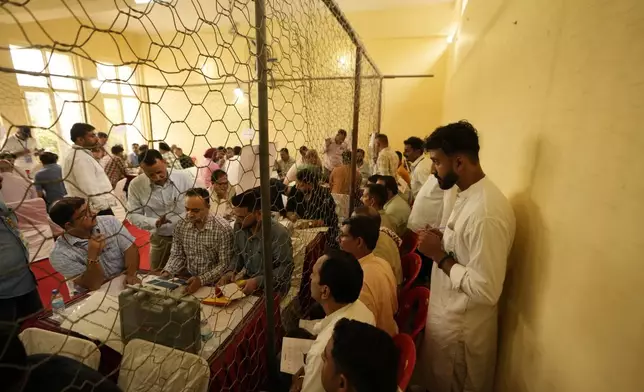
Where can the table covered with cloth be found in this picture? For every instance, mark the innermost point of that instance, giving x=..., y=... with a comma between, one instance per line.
x=236, y=353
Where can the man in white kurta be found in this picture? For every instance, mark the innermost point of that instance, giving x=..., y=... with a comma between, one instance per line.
x=470, y=259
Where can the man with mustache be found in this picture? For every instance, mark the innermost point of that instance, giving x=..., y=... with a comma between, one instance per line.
x=470, y=259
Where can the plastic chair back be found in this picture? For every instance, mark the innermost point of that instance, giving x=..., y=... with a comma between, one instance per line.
x=411, y=265
x=412, y=311
x=41, y=341
x=407, y=360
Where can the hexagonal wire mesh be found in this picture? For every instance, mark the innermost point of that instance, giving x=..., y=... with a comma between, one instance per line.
x=184, y=74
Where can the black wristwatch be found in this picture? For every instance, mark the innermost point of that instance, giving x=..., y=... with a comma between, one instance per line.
x=448, y=256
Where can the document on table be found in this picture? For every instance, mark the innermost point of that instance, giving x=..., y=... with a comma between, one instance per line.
x=293, y=353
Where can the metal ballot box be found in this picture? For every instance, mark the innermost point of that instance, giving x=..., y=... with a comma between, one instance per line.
x=151, y=313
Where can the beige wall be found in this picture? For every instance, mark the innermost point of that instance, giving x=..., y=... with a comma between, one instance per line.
x=555, y=89
x=398, y=42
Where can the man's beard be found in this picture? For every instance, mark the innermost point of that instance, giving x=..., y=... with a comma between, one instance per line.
x=448, y=181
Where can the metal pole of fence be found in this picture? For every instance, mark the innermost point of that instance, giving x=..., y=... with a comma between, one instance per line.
x=150, y=132
x=379, y=106
x=264, y=179
x=354, y=131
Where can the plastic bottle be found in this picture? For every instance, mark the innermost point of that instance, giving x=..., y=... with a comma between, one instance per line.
x=57, y=305
x=206, y=331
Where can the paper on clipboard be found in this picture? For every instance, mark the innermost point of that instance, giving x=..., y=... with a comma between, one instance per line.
x=293, y=353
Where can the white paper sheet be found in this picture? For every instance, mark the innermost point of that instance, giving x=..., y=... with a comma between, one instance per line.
x=293, y=352
x=232, y=291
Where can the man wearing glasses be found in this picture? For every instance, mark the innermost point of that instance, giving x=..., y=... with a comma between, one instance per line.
x=221, y=194
x=93, y=248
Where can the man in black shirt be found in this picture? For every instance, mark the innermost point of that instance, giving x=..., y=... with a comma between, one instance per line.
x=313, y=202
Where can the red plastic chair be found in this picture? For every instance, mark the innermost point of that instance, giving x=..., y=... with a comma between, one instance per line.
x=416, y=299
x=411, y=264
x=409, y=243
x=407, y=360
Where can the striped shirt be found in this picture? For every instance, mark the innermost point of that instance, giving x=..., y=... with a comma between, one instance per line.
x=69, y=256
x=205, y=253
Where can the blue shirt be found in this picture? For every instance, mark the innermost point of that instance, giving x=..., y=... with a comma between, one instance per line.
x=248, y=254
x=69, y=256
x=16, y=278
x=49, y=180
x=133, y=159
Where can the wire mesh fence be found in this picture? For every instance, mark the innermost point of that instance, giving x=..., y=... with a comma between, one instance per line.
x=157, y=249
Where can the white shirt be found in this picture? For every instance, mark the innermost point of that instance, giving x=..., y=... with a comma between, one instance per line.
x=313, y=367
x=147, y=202
x=462, y=330
x=84, y=177
x=428, y=206
x=421, y=169
x=16, y=145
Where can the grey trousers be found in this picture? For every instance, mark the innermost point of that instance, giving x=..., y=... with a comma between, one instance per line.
x=159, y=251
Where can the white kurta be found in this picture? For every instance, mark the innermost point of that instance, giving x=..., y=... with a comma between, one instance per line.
x=461, y=335
x=16, y=145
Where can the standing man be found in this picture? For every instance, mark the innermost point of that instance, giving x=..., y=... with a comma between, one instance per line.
x=19, y=296
x=133, y=157
x=84, y=176
x=248, y=247
x=333, y=150
x=336, y=281
x=24, y=146
x=155, y=203
x=363, y=166
x=49, y=180
x=420, y=164
x=115, y=166
x=282, y=166
x=340, y=178
x=387, y=161
x=359, y=236
x=470, y=259
x=202, y=244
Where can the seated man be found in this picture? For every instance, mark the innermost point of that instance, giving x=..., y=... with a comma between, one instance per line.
x=202, y=243
x=93, y=248
x=359, y=358
x=396, y=207
x=375, y=196
x=388, y=245
x=312, y=202
x=248, y=247
x=359, y=236
x=221, y=193
x=336, y=282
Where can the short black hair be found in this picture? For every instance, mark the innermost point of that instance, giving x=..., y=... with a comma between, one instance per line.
x=370, y=212
x=237, y=150
x=374, y=178
x=346, y=157
x=150, y=156
x=63, y=210
x=163, y=146
x=79, y=130
x=382, y=137
x=390, y=184
x=249, y=199
x=117, y=149
x=144, y=147
x=366, y=355
x=284, y=149
x=303, y=148
x=414, y=142
x=361, y=226
x=135, y=144
x=343, y=274
x=102, y=135
x=47, y=158
x=360, y=150
x=378, y=192
x=216, y=174
x=400, y=156
x=455, y=138
x=199, y=192
x=308, y=175
x=342, y=132
x=7, y=155
x=221, y=148
x=26, y=129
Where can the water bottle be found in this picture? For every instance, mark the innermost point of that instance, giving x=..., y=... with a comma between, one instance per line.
x=57, y=305
x=206, y=331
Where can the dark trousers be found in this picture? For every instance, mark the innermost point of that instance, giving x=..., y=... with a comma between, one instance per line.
x=15, y=310
x=105, y=212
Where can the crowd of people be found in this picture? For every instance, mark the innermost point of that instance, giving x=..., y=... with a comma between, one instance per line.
x=209, y=231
